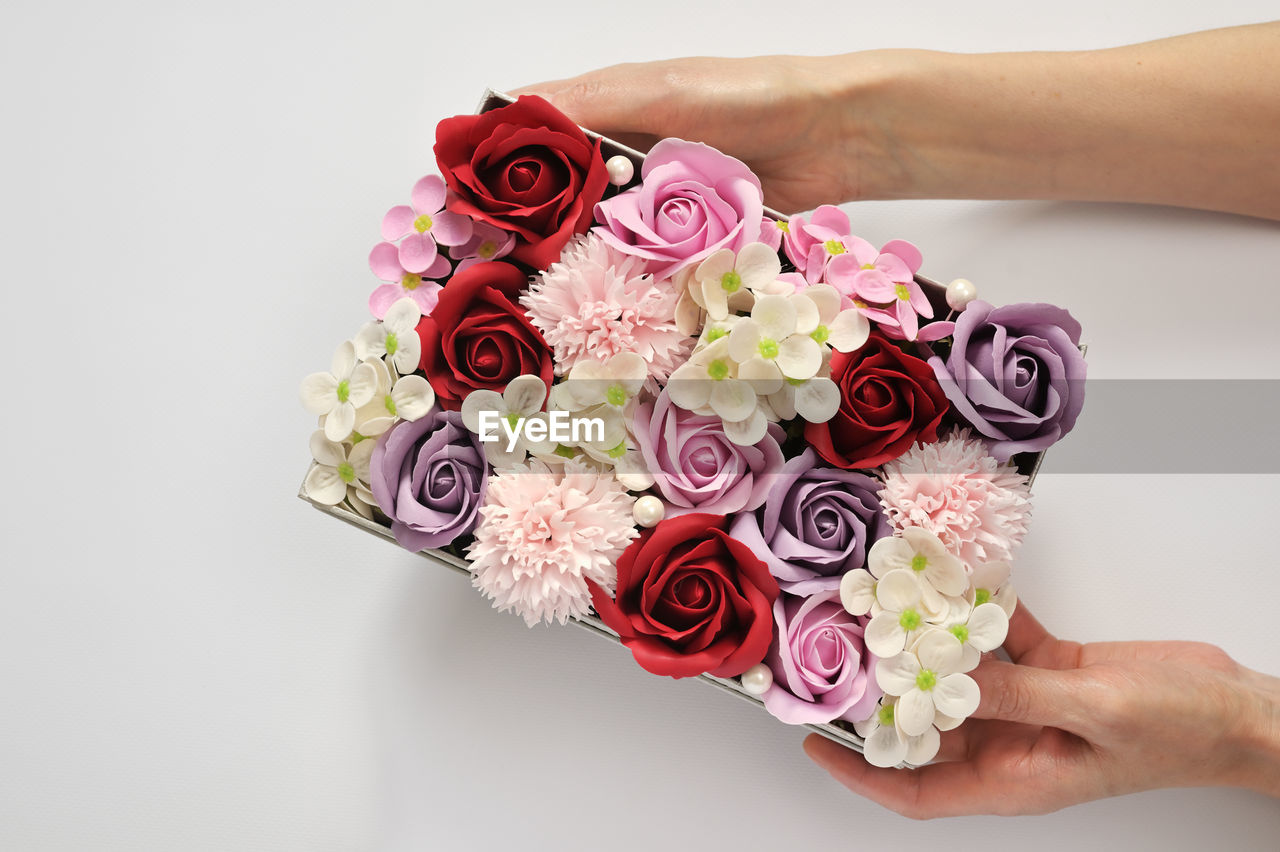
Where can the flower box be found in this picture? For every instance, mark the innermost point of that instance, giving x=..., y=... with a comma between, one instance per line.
x=1026, y=463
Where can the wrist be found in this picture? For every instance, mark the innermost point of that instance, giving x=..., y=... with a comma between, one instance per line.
x=1256, y=741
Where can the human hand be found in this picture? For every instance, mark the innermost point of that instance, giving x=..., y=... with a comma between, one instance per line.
x=792, y=119
x=1066, y=723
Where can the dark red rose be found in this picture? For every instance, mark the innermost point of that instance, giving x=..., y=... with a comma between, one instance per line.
x=479, y=337
x=889, y=400
x=524, y=168
x=691, y=599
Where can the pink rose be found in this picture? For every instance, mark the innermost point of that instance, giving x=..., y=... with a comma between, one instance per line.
x=692, y=201
x=821, y=668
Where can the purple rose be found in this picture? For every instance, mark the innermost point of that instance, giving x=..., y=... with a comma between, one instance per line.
x=1015, y=373
x=692, y=200
x=815, y=526
x=821, y=668
x=428, y=476
x=695, y=465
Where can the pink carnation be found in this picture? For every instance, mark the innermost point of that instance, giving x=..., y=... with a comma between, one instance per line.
x=956, y=490
x=597, y=302
x=544, y=533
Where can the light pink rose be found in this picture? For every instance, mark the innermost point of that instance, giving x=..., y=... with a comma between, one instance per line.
x=692, y=201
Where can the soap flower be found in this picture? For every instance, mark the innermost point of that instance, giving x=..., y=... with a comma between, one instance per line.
x=978, y=507
x=821, y=668
x=775, y=342
x=884, y=745
x=927, y=681
x=692, y=201
x=709, y=382
x=728, y=279
x=341, y=472
x=337, y=394
x=882, y=284
x=811, y=244
x=384, y=260
x=522, y=399
x=815, y=525
x=697, y=467
x=486, y=243
x=395, y=337
x=597, y=302
x=396, y=398
x=545, y=534
x=422, y=224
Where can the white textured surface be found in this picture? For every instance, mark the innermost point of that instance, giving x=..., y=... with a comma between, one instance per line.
x=193, y=659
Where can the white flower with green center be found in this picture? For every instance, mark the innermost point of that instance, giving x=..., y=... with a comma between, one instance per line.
x=775, y=343
x=522, y=399
x=1006, y=598
x=337, y=394
x=927, y=681
x=900, y=616
x=814, y=400
x=885, y=746
x=984, y=630
x=396, y=398
x=713, y=330
x=924, y=553
x=709, y=380
x=614, y=382
x=396, y=337
x=726, y=281
x=843, y=331
x=339, y=473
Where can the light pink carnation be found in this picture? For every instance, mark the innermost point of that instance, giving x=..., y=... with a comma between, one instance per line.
x=954, y=489
x=544, y=533
x=598, y=301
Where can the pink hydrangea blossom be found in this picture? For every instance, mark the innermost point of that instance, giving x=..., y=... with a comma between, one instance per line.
x=384, y=260
x=486, y=243
x=953, y=488
x=881, y=284
x=810, y=245
x=423, y=223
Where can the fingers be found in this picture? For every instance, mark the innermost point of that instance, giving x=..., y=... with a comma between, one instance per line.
x=1025, y=633
x=616, y=101
x=1031, y=696
x=937, y=790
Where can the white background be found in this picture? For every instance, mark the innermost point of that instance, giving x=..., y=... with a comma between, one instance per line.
x=191, y=658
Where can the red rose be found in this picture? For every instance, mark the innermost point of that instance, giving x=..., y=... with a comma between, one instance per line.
x=524, y=168
x=479, y=337
x=691, y=599
x=889, y=400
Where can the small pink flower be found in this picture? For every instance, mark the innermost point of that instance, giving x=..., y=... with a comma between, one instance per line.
x=423, y=225
x=881, y=284
x=811, y=245
x=384, y=260
x=486, y=243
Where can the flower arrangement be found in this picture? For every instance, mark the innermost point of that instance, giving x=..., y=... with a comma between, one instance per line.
x=754, y=448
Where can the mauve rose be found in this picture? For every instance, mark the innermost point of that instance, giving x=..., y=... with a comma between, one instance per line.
x=695, y=465
x=428, y=476
x=815, y=525
x=1015, y=373
x=692, y=200
x=821, y=669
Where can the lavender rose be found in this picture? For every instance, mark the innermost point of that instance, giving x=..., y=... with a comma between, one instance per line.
x=428, y=476
x=695, y=465
x=815, y=526
x=1015, y=373
x=692, y=200
x=821, y=668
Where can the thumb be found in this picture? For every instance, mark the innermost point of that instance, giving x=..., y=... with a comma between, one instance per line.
x=1030, y=696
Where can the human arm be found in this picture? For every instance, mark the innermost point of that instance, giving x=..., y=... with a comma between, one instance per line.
x=1191, y=121
x=1066, y=723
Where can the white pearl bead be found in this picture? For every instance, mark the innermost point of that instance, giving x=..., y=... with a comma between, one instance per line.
x=648, y=511
x=620, y=169
x=960, y=293
x=757, y=679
